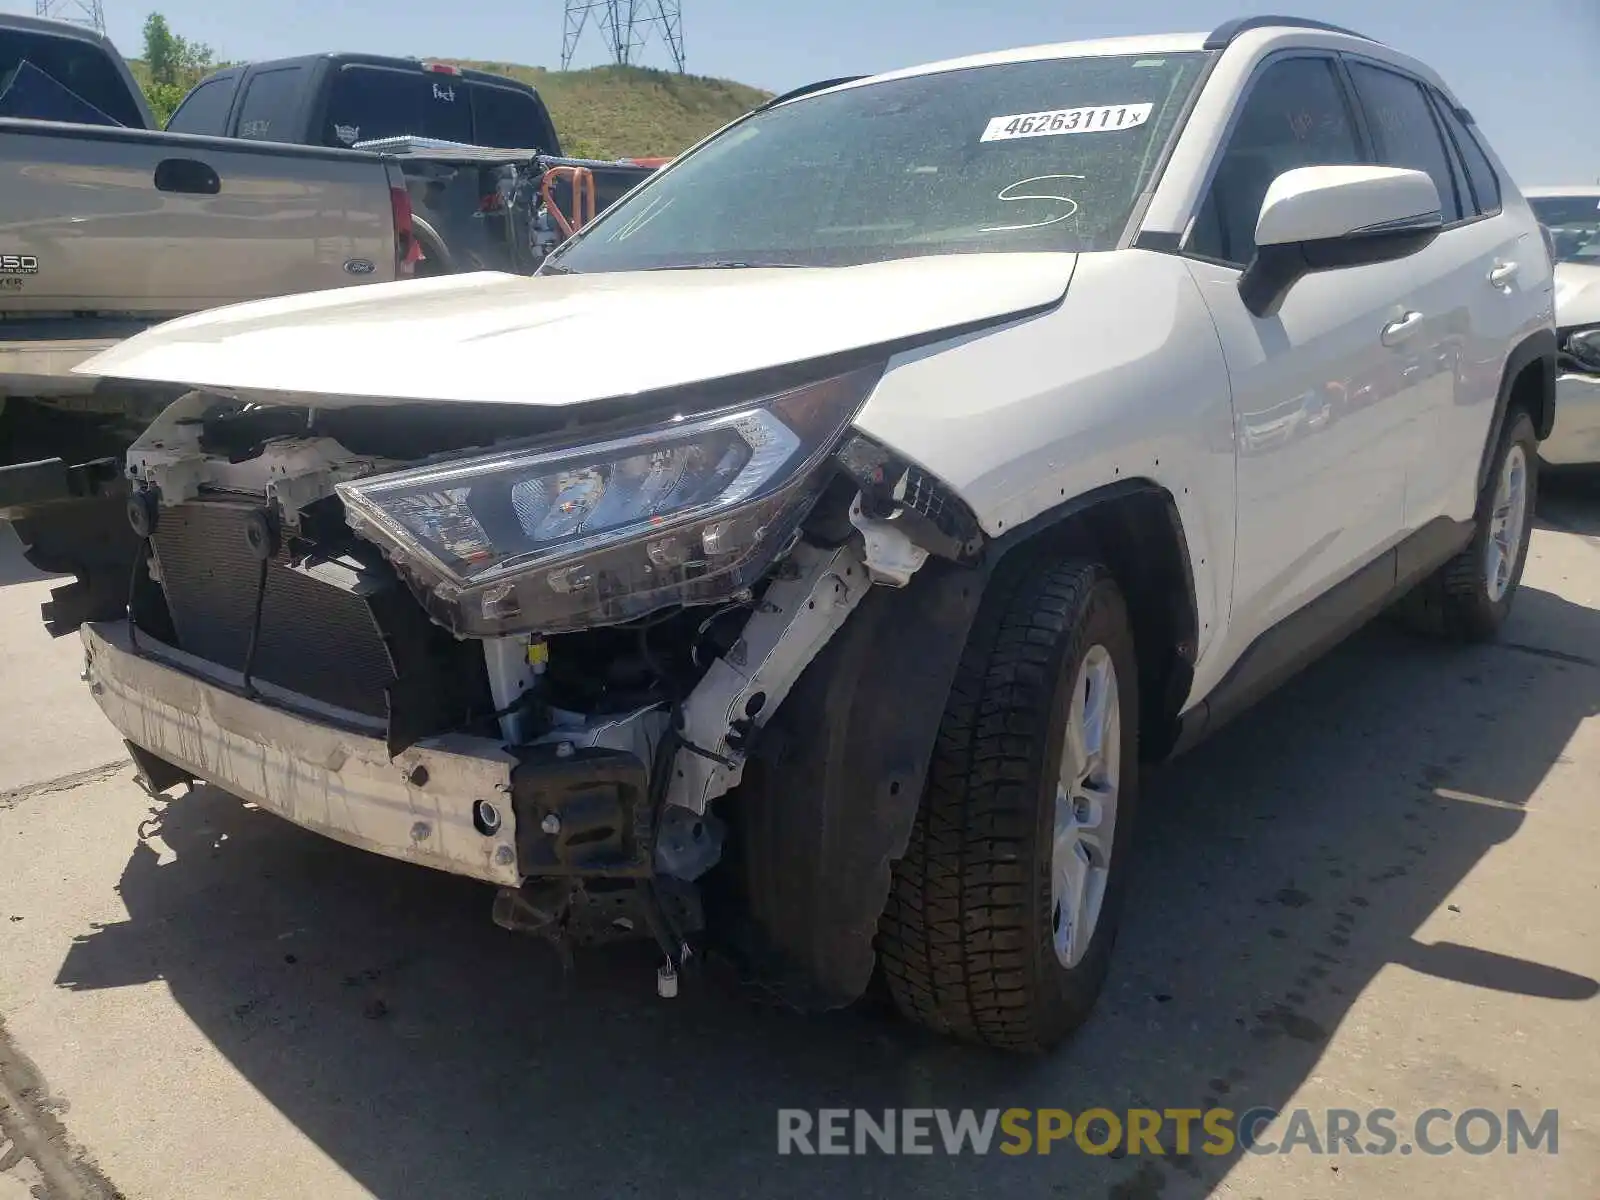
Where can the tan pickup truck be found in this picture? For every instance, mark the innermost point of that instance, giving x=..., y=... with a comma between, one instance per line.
x=107, y=227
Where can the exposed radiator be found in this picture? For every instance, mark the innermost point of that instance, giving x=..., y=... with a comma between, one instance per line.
x=320, y=633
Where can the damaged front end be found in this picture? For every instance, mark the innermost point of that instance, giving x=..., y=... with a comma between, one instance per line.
x=544, y=654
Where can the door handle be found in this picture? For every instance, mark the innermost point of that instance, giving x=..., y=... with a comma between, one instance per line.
x=1503, y=274
x=1396, y=332
x=187, y=175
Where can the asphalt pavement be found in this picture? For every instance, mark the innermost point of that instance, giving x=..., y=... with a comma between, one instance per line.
x=1379, y=890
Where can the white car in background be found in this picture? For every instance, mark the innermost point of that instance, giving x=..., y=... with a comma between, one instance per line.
x=1571, y=215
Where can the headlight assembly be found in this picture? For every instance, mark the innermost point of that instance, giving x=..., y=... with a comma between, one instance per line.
x=546, y=540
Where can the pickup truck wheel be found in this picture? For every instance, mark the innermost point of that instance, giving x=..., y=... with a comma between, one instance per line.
x=1469, y=598
x=1002, y=914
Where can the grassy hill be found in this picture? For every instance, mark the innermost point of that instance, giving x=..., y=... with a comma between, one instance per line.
x=607, y=112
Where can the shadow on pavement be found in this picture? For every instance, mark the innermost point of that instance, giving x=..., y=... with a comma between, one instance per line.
x=13, y=567
x=1283, y=864
x=1569, y=500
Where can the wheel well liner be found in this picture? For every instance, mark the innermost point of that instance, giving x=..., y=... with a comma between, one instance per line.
x=833, y=782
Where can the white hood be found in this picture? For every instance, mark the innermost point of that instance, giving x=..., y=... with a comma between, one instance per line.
x=566, y=339
x=1577, y=294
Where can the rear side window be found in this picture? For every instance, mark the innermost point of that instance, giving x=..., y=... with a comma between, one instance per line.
x=83, y=68
x=270, y=105
x=507, y=119
x=205, y=110
x=379, y=102
x=1405, y=132
x=1296, y=115
x=1484, y=182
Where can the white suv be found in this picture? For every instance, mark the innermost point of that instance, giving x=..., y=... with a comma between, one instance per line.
x=803, y=565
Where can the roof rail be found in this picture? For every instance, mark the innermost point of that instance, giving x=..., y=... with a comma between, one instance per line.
x=1223, y=35
x=820, y=85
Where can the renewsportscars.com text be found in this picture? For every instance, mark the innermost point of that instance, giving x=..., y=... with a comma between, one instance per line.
x=1152, y=1131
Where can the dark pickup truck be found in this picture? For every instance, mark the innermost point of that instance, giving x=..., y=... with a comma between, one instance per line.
x=418, y=110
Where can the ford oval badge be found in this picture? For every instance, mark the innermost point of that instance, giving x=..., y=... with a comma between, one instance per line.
x=359, y=266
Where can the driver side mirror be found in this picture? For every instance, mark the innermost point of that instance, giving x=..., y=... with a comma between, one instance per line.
x=1325, y=218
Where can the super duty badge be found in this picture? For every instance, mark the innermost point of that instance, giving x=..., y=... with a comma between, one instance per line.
x=18, y=264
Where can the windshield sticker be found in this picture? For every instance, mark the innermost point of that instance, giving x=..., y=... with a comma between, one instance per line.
x=1096, y=119
x=1021, y=190
x=348, y=134
x=447, y=94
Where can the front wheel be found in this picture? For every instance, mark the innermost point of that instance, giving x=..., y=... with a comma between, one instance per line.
x=1003, y=913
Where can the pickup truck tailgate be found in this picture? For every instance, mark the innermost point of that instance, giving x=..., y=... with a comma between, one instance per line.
x=134, y=222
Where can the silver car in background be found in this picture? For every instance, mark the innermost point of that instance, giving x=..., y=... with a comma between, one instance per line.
x=1571, y=216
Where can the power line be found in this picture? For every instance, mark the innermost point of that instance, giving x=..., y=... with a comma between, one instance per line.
x=626, y=25
x=76, y=12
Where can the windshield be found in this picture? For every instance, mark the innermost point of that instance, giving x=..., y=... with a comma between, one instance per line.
x=1047, y=155
x=1574, y=225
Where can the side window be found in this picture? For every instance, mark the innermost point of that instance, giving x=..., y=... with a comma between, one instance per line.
x=205, y=110
x=271, y=102
x=1295, y=115
x=1485, y=183
x=1405, y=132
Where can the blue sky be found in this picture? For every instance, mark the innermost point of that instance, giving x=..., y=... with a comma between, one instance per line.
x=1529, y=69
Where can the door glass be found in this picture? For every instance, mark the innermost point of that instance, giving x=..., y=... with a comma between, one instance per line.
x=1485, y=184
x=1405, y=132
x=205, y=110
x=271, y=102
x=1295, y=116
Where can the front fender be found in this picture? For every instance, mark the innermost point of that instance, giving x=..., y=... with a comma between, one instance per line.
x=1124, y=380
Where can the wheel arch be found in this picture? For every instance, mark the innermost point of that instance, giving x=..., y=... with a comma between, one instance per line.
x=434, y=251
x=834, y=780
x=1134, y=527
x=1528, y=381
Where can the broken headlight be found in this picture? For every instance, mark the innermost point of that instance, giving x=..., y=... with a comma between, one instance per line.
x=545, y=540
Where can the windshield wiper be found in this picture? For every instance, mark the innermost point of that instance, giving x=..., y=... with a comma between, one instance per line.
x=723, y=264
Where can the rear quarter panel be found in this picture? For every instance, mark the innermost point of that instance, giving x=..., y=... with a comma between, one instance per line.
x=82, y=201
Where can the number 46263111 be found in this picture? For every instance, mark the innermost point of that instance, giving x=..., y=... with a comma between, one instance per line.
x=1067, y=120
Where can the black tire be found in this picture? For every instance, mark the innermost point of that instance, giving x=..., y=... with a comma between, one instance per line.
x=967, y=938
x=1455, y=601
x=436, y=259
